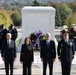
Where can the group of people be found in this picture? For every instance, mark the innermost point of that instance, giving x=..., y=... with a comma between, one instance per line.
x=8, y=47
x=65, y=52
x=3, y=31
x=71, y=32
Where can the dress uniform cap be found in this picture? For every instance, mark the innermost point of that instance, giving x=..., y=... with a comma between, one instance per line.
x=65, y=34
x=65, y=27
x=74, y=25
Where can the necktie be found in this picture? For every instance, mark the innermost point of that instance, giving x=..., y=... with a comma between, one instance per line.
x=8, y=43
x=48, y=43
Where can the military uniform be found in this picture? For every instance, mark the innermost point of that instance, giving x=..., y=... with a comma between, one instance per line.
x=62, y=33
x=65, y=30
x=4, y=32
x=66, y=53
x=73, y=36
x=0, y=38
x=14, y=33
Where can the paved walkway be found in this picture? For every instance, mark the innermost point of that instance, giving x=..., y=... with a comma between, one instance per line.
x=37, y=67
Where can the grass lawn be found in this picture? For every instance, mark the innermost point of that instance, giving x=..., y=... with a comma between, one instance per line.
x=17, y=42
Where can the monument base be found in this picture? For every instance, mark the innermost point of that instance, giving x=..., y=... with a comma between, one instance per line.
x=1, y=61
x=74, y=61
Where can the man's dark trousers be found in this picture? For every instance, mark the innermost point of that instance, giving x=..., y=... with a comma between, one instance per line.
x=66, y=67
x=50, y=63
x=9, y=63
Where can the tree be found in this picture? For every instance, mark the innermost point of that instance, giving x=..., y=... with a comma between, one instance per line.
x=5, y=18
x=7, y=6
x=71, y=20
x=57, y=17
x=73, y=6
x=65, y=11
x=36, y=3
x=16, y=17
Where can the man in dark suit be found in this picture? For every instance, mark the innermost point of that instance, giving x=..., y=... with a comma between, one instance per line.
x=8, y=53
x=66, y=53
x=48, y=53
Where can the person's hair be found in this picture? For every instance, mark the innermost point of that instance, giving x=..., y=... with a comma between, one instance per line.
x=12, y=25
x=8, y=34
x=48, y=34
x=26, y=40
x=2, y=25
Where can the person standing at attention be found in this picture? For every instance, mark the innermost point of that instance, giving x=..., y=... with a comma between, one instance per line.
x=66, y=52
x=8, y=53
x=27, y=56
x=48, y=53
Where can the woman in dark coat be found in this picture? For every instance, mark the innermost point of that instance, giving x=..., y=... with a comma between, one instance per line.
x=26, y=56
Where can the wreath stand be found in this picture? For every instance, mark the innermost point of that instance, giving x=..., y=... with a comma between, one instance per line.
x=36, y=64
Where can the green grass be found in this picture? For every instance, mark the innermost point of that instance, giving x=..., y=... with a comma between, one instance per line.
x=17, y=42
x=57, y=39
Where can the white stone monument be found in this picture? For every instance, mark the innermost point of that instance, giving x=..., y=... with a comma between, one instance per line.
x=37, y=18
